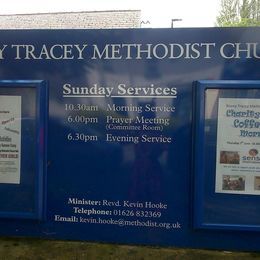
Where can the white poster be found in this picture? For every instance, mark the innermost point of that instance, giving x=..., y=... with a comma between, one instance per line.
x=10, y=139
x=238, y=146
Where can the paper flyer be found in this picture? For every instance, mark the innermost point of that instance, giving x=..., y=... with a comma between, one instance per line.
x=238, y=146
x=10, y=139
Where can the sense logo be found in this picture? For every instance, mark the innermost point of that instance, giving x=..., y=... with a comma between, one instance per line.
x=252, y=156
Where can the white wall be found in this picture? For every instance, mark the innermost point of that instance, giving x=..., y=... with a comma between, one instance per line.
x=75, y=20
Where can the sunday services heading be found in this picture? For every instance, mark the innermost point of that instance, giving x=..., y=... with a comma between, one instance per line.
x=128, y=51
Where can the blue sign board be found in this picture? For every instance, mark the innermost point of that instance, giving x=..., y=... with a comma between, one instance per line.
x=131, y=136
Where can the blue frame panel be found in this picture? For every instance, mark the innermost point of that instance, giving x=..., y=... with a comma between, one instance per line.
x=218, y=210
x=119, y=158
x=36, y=143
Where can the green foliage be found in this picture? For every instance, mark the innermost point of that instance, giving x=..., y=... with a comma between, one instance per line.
x=239, y=13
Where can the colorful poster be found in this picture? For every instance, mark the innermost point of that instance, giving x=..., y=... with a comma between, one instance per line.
x=238, y=146
x=10, y=139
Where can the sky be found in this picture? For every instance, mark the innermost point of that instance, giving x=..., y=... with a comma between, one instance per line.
x=199, y=13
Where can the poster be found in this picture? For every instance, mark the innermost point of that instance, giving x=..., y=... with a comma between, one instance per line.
x=238, y=146
x=10, y=139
